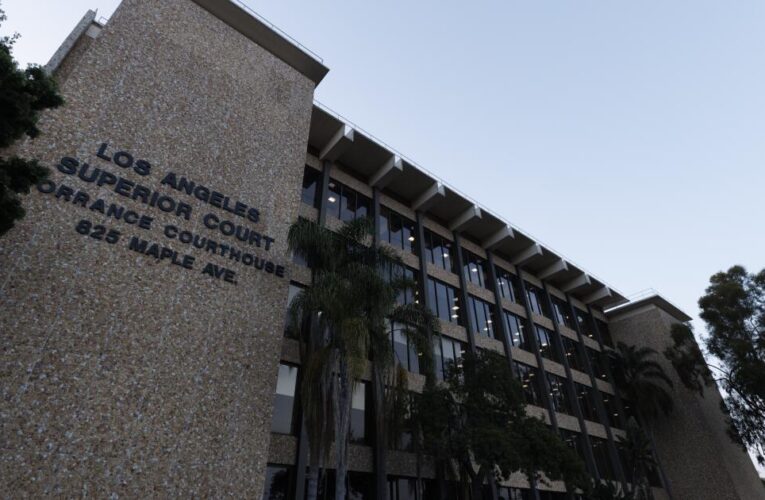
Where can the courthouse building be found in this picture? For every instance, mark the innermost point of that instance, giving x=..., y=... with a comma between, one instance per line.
x=143, y=297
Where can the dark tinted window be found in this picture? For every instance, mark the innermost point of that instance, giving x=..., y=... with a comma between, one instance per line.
x=284, y=399
x=447, y=352
x=404, y=351
x=444, y=301
x=596, y=361
x=474, y=268
x=611, y=409
x=397, y=230
x=529, y=379
x=396, y=272
x=585, y=324
x=402, y=488
x=311, y=185
x=572, y=353
x=360, y=417
x=516, y=330
x=360, y=486
x=546, y=341
x=481, y=315
x=508, y=286
x=277, y=483
x=345, y=203
x=537, y=301
x=586, y=397
x=602, y=458
x=559, y=394
x=605, y=333
x=438, y=251
x=562, y=312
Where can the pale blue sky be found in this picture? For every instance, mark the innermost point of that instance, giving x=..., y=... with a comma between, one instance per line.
x=628, y=136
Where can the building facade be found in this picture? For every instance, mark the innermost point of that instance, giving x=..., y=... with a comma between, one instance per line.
x=144, y=294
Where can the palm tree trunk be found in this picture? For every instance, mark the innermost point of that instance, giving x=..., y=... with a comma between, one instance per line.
x=381, y=436
x=342, y=427
x=313, y=482
x=649, y=431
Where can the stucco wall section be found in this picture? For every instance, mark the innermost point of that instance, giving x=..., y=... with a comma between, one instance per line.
x=700, y=460
x=123, y=376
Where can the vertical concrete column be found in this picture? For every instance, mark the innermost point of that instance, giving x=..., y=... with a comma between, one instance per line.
x=463, y=291
x=499, y=318
x=420, y=242
x=325, y=175
x=545, y=386
x=558, y=344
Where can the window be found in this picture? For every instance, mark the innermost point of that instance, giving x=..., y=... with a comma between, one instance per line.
x=562, y=312
x=597, y=364
x=528, y=376
x=504, y=493
x=360, y=486
x=571, y=351
x=345, y=203
x=537, y=301
x=586, y=396
x=393, y=272
x=403, y=350
x=277, y=484
x=559, y=394
x=585, y=325
x=602, y=458
x=284, y=400
x=311, y=186
x=508, y=286
x=481, y=315
x=516, y=331
x=574, y=441
x=438, y=251
x=294, y=289
x=397, y=230
x=474, y=268
x=605, y=333
x=447, y=352
x=546, y=340
x=402, y=488
x=360, y=418
x=444, y=301
x=612, y=409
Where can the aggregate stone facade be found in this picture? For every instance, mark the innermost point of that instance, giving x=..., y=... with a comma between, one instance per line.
x=700, y=460
x=122, y=375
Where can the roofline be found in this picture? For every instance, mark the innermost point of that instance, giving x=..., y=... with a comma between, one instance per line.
x=268, y=36
x=655, y=300
x=605, y=295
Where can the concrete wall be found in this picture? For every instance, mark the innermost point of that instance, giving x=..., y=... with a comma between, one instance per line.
x=698, y=457
x=123, y=375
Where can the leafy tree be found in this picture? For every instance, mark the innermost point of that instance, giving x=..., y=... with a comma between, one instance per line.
x=643, y=380
x=640, y=459
x=733, y=308
x=348, y=308
x=687, y=359
x=478, y=422
x=605, y=490
x=24, y=94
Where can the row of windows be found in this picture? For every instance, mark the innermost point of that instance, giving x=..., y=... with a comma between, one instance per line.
x=279, y=486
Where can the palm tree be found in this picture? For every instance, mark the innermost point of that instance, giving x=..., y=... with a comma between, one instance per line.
x=646, y=384
x=639, y=458
x=349, y=306
x=643, y=380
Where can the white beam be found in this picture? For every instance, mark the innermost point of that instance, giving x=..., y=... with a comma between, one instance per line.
x=463, y=219
x=338, y=144
x=578, y=282
x=495, y=239
x=532, y=252
x=558, y=267
x=387, y=172
x=601, y=293
x=431, y=195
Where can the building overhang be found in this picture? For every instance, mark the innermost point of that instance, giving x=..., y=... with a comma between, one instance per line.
x=655, y=300
x=377, y=164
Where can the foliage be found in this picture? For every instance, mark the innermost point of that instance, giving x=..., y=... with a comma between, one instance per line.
x=687, y=359
x=348, y=307
x=605, y=490
x=24, y=94
x=733, y=308
x=638, y=453
x=643, y=380
x=479, y=422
